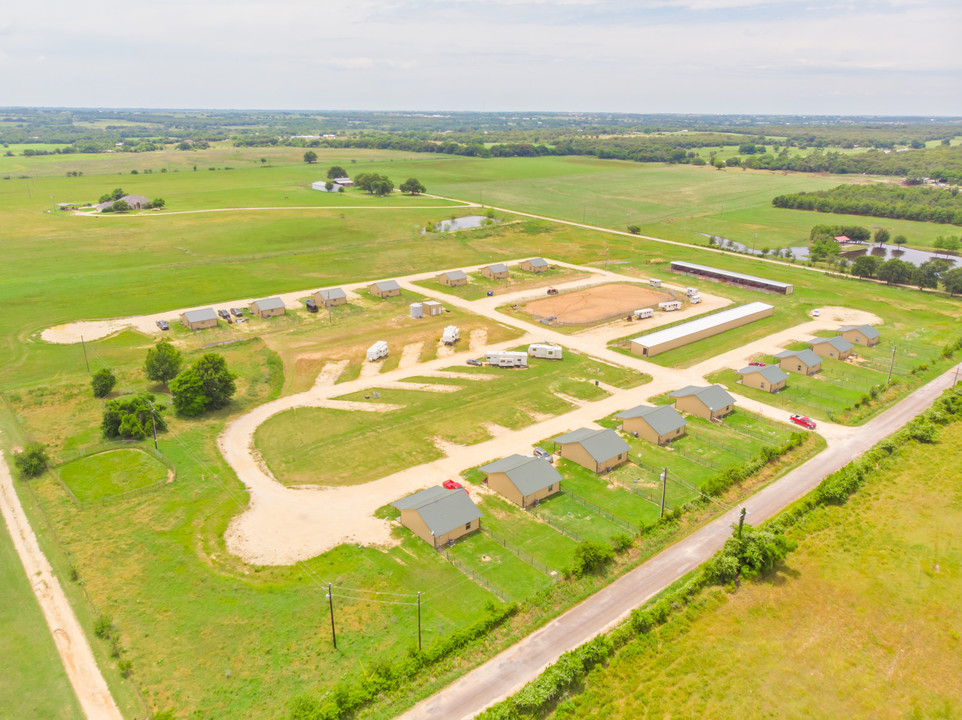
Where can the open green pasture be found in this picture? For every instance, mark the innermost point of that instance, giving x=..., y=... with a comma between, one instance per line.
x=111, y=473
x=862, y=620
x=33, y=683
x=337, y=447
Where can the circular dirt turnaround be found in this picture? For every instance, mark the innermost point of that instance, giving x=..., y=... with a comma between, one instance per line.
x=583, y=307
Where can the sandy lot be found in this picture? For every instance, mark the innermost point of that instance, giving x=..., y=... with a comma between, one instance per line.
x=596, y=303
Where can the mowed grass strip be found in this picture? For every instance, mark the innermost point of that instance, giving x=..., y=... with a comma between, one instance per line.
x=340, y=447
x=110, y=473
x=862, y=620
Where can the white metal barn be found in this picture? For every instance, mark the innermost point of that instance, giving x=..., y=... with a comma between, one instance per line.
x=506, y=358
x=377, y=351
x=546, y=351
x=451, y=335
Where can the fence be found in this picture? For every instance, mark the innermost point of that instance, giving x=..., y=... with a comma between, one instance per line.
x=601, y=511
x=560, y=528
x=511, y=547
x=504, y=597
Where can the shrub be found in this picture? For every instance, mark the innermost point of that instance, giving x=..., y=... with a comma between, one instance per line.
x=31, y=461
x=591, y=556
x=102, y=382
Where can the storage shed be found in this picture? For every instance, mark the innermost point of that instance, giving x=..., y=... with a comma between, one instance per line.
x=199, y=319
x=711, y=402
x=432, y=308
x=769, y=378
x=268, y=307
x=729, y=277
x=523, y=480
x=660, y=424
x=438, y=515
x=596, y=450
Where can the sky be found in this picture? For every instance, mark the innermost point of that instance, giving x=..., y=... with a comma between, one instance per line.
x=811, y=57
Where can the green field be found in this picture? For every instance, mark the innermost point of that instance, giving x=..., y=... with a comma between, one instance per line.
x=862, y=620
x=112, y=473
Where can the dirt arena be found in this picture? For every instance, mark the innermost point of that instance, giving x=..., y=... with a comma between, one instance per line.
x=583, y=307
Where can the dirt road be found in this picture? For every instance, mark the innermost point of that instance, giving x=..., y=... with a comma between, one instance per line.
x=78, y=659
x=508, y=672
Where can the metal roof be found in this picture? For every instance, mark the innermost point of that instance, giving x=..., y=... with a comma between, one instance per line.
x=527, y=474
x=600, y=444
x=386, y=285
x=455, y=275
x=806, y=356
x=715, y=397
x=200, y=315
x=700, y=324
x=537, y=262
x=498, y=268
x=662, y=418
x=333, y=294
x=442, y=510
x=730, y=274
x=837, y=342
x=272, y=303
x=772, y=373
x=867, y=330
x=430, y=302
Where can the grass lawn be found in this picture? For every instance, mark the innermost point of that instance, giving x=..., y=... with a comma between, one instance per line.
x=563, y=512
x=862, y=620
x=110, y=473
x=503, y=569
x=524, y=531
x=33, y=683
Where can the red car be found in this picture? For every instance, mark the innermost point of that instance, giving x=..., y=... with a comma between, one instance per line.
x=805, y=422
x=453, y=485
x=756, y=364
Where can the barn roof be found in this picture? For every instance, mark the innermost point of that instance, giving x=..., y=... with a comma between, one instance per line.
x=662, y=418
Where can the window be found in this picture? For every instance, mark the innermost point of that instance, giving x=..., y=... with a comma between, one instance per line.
x=467, y=526
x=551, y=488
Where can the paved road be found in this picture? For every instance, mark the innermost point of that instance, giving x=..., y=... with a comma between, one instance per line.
x=512, y=669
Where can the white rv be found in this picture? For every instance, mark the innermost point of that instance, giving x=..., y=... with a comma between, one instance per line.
x=670, y=305
x=654, y=282
x=377, y=351
x=451, y=335
x=691, y=292
x=644, y=313
x=545, y=350
x=694, y=299
x=506, y=358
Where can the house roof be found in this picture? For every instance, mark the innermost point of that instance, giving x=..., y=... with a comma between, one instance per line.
x=333, y=294
x=772, y=373
x=455, y=275
x=662, y=418
x=430, y=302
x=271, y=303
x=527, y=474
x=839, y=343
x=699, y=324
x=129, y=199
x=806, y=356
x=730, y=274
x=715, y=397
x=383, y=285
x=442, y=510
x=600, y=444
x=200, y=315
x=867, y=330
x=537, y=262
x=498, y=268
x=841, y=238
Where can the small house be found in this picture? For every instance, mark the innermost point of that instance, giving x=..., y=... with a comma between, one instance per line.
x=547, y=351
x=268, y=308
x=864, y=335
x=134, y=202
x=384, y=289
x=834, y=347
x=438, y=515
x=596, y=450
x=506, y=358
x=660, y=424
x=345, y=182
x=525, y=481
x=497, y=271
x=535, y=265
x=199, y=319
x=710, y=402
x=452, y=278
x=769, y=378
x=804, y=362
x=330, y=297
x=432, y=308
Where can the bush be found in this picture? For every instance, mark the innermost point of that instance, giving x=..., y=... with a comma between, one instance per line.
x=102, y=382
x=104, y=627
x=130, y=417
x=591, y=556
x=31, y=461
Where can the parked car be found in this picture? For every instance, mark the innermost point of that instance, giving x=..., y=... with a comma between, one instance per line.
x=757, y=364
x=237, y=312
x=805, y=422
x=815, y=313
x=454, y=485
x=552, y=291
x=224, y=314
x=543, y=454
x=241, y=319
x=163, y=325
x=474, y=361
x=311, y=305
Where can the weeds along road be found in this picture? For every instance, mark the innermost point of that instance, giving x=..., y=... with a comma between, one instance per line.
x=512, y=669
x=78, y=659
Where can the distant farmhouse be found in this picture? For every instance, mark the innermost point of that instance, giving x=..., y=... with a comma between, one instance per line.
x=337, y=184
x=135, y=202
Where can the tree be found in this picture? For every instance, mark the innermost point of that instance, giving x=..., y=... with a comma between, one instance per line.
x=952, y=281
x=900, y=240
x=310, y=157
x=895, y=272
x=130, y=417
x=206, y=385
x=163, y=362
x=824, y=247
x=382, y=187
x=156, y=203
x=634, y=229
x=865, y=266
x=329, y=186
x=31, y=461
x=591, y=556
x=336, y=171
x=412, y=186
x=928, y=273
x=103, y=382
x=188, y=391
x=120, y=206
x=881, y=236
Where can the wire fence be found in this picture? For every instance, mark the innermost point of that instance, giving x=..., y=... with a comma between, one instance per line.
x=559, y=527
x=474, y=575
x=521, y=554
x=601, y=511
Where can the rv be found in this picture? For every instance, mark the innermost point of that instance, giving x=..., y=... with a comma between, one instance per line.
x=670, y=305
x=655, y=282
x=694, y=299
x=451, y=335
x=643, y=313
x=377, y=351
x=546, y=351
x=691, y=292
x=506, y=358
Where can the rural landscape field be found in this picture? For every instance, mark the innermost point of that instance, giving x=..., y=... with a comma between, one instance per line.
x=230, y=529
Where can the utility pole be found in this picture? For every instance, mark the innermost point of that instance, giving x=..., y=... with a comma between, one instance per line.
x=330, y=601
x=153, y=425
x=741, y=521
x=419, y=621
x=84, y=345
x=664, y=489
x=891, y=366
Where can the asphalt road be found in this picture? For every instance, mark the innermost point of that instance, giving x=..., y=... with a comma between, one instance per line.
x=508, y=672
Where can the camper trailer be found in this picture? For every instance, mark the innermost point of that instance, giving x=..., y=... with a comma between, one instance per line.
x=506, y=358
x=670, y=305
x=654, y=282
x=691, y=292
x=377, y=351
x=694, y=299
x=546, y=351
x=644, y=313
x=451, y=335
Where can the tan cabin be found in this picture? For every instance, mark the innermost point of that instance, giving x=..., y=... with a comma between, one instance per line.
x=534, y=265
x=452, y=278
x=659, y=425
x=439, y=516
x=769, y=378
x=199, y=319
x=837, y=348
x=384, y=289
x=331, y=297
x=711, y=402
x=497, y=271
x=268, y=308
x=525, y=481
x=803, y=362
x=596, y=450
x=864, y=335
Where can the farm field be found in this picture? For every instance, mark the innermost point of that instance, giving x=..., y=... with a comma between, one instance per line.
x=864, y=609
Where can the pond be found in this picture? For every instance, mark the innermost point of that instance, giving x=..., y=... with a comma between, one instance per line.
x=461, y=223
x=883, y=253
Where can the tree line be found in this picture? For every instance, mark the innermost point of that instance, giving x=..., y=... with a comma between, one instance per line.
x=941, y=205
